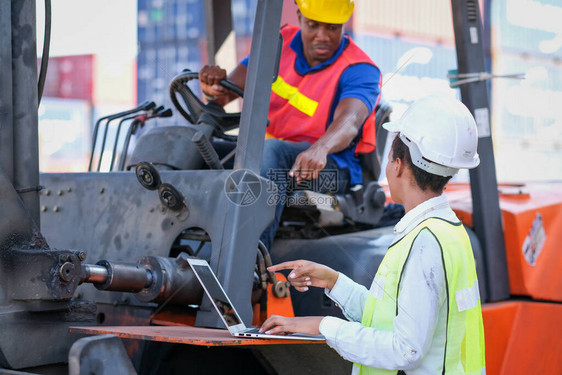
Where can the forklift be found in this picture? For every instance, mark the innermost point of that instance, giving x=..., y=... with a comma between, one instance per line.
x=94, y=274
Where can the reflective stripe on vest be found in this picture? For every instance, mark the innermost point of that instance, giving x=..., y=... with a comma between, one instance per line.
x=300, y=105
x=464, y=345
x=295, y=98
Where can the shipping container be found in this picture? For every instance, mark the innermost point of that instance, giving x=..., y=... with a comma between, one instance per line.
x=158, y=65
x=171, y=20
x=527, y=119
x=172, y=37
x=426, y=20
x=64, y=135
x=289, y=13
x=528, y=26
x=410, y=70
x=114, y=81
x=243, y=15
x=70, y=77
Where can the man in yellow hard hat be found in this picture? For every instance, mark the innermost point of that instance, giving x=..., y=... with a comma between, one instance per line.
x=322, y=104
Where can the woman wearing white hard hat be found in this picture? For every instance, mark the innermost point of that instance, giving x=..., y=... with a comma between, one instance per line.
x=422, y=314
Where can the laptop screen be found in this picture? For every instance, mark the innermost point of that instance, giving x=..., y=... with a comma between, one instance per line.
x=216, y=293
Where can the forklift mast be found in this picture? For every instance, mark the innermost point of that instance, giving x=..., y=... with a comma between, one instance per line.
x=19, y=150
x=487, y=220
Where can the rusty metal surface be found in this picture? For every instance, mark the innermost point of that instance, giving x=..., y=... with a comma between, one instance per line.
x=184, y=335
x=120, y=221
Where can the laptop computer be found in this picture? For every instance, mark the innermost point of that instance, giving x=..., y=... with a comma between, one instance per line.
x=226, y=310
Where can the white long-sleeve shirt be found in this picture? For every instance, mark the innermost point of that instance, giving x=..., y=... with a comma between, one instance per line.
x=417, y=343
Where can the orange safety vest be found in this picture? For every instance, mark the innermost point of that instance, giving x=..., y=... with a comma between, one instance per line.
x=300, y=105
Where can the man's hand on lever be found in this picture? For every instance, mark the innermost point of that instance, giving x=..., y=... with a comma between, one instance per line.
x=309, y=163
x=349, y=115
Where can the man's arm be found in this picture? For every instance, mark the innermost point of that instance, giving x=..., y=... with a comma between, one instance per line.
x=210, y=77
x=349, y=296
x=349, y=115
x=422, y=300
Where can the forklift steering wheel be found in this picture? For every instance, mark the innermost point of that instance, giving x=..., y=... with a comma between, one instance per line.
x=194, y=109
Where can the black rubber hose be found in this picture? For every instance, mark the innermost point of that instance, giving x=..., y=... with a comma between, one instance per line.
x=262, y=271
x=267, y=259
x=45, y=55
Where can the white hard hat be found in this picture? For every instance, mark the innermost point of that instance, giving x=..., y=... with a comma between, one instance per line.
x=440, y=133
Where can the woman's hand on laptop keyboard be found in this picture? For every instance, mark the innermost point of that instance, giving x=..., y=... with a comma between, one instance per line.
x=305, y=273
x=278, y=325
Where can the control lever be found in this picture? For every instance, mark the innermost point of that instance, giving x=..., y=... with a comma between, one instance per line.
x=145, y=106
x=139, y=122
x=206, y=150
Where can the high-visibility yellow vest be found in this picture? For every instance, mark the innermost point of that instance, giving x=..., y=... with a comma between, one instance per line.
x=464, y=345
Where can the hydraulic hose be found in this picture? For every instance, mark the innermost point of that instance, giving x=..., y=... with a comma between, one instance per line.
x=45, y=55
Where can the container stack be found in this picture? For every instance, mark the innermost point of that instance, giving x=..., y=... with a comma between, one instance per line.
x=171, y=37
x=412, y=42
x=527, y=118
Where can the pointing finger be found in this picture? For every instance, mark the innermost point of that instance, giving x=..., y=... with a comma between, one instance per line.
x=284, y=266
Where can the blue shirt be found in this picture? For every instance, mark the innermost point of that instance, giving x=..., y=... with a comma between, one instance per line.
x=360, y=81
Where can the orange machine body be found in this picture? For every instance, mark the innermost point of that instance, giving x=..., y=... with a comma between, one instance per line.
x=523, y=335
x=532, y=221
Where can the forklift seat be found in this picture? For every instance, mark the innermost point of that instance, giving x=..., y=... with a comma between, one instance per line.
x=371, y=162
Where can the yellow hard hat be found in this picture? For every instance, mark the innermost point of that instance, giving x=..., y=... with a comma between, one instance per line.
x=327, y=11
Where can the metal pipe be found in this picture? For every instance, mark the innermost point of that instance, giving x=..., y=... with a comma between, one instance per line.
x=153, y=279
x=94, y=274
x=25, y=118
x=132, y=130
x=173, y=281
x=123, y=277
x=104, y=138
x=114, y=151
x=6, y=113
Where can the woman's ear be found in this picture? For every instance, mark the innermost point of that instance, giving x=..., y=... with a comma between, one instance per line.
x=398, y=167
